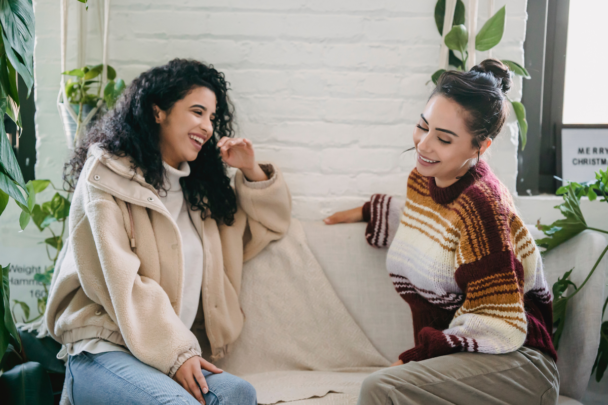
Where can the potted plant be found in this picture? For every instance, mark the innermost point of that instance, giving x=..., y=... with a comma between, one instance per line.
x=83, y=100
x=573, y=223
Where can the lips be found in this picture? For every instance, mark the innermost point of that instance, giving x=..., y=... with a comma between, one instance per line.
x=426, y=161
x=197, y=140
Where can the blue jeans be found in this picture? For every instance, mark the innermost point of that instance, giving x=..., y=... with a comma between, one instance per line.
x=119, y=378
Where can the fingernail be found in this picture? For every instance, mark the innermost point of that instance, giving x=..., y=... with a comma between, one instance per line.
x=205, y=390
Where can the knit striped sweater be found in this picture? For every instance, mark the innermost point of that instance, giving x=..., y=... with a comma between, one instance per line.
x=466, y=265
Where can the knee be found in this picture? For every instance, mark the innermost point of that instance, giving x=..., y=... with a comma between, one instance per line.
x=374, y=388
x=241, y=392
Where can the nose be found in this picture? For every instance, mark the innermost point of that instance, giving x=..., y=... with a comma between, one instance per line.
x=423, y=144
x=207, y=125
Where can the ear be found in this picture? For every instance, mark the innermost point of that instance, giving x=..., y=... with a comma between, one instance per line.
x=484, y=146
x=159, y=115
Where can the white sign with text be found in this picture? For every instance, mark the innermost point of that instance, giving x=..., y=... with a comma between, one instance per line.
x=584, y=152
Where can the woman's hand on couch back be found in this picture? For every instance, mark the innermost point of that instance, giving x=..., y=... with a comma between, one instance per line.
x=345, y=217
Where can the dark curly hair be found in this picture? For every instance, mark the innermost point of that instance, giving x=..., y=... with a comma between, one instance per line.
x=131, y=130
x=482, y=93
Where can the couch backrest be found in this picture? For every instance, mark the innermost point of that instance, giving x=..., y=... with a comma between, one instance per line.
x=357, y=272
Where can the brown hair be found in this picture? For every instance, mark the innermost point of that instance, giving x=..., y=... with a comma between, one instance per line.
x=482, y=93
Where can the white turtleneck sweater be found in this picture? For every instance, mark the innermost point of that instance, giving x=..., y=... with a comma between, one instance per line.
x=191, y=242
x=193, y=262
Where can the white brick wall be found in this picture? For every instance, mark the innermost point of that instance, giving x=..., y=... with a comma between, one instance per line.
x=329, y=90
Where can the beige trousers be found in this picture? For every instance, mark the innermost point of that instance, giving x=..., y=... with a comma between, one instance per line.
x=524, y=377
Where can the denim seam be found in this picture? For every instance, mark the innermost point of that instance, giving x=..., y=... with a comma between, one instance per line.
x=93, y=360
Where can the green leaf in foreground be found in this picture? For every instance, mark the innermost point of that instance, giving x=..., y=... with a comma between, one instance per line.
x=601, y=360
x=564, y=229
x=517, y=68
x=440, y=14
x=457, y=38
x=7, y=325
x=491, y=33
x=520, y=113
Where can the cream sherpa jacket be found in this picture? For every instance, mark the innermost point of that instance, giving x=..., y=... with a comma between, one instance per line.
x=104, y=288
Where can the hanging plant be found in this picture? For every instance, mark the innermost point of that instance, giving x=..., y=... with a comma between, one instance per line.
x=487, y=38
x=83, y=92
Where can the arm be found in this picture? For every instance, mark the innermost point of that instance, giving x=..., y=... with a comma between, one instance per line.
x=492, y=318
x=382, y=214
x=262, y=195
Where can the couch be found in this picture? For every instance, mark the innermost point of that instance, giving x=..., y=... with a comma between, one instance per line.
x=358, y=275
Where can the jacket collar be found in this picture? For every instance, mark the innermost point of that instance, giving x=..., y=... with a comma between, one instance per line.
x=116, y=176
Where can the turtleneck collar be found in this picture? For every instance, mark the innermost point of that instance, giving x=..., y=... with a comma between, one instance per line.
x=172, y=176
x=448, y=194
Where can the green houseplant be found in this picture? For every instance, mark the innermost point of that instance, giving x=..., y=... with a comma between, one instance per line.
x=84, y=95
x=573, y=223
x=16, y=58
x=487, y=38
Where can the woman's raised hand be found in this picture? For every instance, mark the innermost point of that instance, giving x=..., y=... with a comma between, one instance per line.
x=189, y=374
x=238, y=153
x=344, y=217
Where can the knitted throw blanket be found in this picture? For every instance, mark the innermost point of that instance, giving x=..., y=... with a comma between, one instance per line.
x=466, y=264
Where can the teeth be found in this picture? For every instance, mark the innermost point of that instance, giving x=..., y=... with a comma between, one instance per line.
x=429, y=161
x=197, y=139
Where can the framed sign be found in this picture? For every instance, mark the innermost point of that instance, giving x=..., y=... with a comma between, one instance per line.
x=584, y=151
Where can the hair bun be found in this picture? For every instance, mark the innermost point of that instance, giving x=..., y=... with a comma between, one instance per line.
x=499, y=70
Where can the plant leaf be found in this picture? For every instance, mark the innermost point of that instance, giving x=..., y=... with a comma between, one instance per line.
x=111, y=73
x=93, y=72
x=440, y=14
x=55, y=242
x=457, y=38
x=520, y=113
x=24, y=307
x=9, y=187
x=571, y=225
x=455, y=61
x=6, y=322
x=74, y=72
x=24, y=219
x=491, y=33
x=601, y=360
x=8, y=162
x=23, y=66
x=517, y=68
x=436, y=75
x=3, y=201
x=18, y=27
x=39, y=185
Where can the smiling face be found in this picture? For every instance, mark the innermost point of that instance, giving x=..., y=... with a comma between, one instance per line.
x=186, y=127
x=444, y=143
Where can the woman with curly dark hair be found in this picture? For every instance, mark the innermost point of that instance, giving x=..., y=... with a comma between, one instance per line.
x=146, y=291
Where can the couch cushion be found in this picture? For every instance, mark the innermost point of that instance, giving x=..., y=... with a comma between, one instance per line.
x=358, y=273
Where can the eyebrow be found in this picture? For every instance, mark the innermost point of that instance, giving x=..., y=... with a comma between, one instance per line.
x=438, y=129
x=199, y=106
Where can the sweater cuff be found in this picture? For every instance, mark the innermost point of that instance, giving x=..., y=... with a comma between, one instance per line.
x=411, y=355
x=268, y=169
x=367, y=211
x=181, y=359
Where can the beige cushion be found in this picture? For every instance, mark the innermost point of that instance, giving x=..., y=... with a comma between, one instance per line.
x=358, y=274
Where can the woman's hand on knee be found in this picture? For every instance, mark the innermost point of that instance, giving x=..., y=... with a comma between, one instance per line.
x=345, y=217
x=190, y=376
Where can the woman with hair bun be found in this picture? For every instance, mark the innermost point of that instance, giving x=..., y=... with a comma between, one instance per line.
x=464, y=261
x=146, y=291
